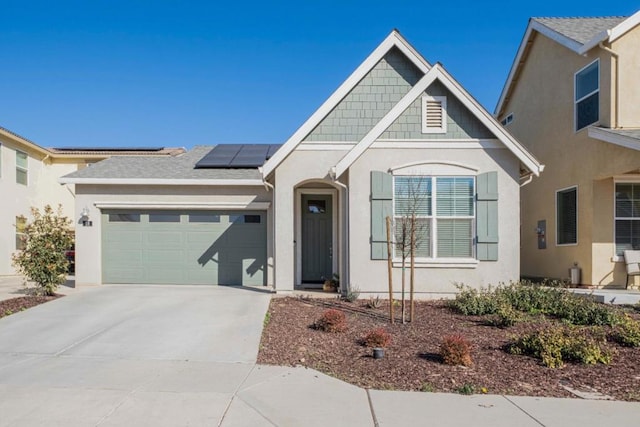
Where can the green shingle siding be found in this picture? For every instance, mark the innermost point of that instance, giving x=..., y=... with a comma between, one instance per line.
x=369, y=101
x=461, y=123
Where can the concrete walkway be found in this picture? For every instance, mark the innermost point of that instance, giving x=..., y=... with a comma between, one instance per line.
x=185, y=356
x=13, y=287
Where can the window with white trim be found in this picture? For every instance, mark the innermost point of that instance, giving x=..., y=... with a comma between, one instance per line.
x=22, y=170
x=627, y=217
x=587, y=95
x=444, y=209
x=434, y=114
x=567, y=216
x=507, y=120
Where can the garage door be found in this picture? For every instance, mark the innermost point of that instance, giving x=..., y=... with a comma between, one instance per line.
x=178, y=247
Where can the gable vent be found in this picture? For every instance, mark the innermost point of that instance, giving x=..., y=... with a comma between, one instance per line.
x=434, y=111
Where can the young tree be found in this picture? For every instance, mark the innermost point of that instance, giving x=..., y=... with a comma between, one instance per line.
x=42, y=260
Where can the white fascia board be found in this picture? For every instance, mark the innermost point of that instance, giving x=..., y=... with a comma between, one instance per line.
x=144, y=181
x=490, y=122
x=626, y=25
x=557, y=37
x=600, y=37
x=387, y=120
x=393, y=39
x=185, y=205
x=614, y=138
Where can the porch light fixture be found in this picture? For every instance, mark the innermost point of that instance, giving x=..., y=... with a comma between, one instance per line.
x=84, y=218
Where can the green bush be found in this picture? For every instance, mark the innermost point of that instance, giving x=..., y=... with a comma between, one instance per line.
x=627, y=333
x=42, y=260
x=474, y=302
x=556, y=345
x=505, y=316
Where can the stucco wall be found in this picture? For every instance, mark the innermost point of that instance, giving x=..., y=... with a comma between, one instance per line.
x=629, y=63
x=88, y=239
x=543, y=108
x=370, y=276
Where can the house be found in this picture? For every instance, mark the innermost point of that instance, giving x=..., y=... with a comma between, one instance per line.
x=572, y=98
x=29, y=177
x=398, y=129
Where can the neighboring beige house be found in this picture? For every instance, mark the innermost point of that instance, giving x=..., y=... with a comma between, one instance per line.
x=398, y=131
x=29, y=177
x=572, y=98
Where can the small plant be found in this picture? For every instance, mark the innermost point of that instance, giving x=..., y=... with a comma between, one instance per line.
x=474, y=302
x=378, y=337
x=267, y=319
x=505, y=317
x=556, y=345
x=332, y=320
x=466, y=389
x=374, y=302
x=352, y=294
x=427, y=388
x=627, y=333
x=456, y=350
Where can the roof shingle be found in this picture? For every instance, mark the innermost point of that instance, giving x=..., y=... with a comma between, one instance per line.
x=580, y=30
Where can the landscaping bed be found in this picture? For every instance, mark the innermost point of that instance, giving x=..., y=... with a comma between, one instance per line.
x=413, y=358
x=14, y=305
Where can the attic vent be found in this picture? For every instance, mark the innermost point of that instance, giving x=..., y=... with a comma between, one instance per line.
x=434, y=114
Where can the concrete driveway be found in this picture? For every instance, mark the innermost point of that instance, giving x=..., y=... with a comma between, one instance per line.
x=129, y=355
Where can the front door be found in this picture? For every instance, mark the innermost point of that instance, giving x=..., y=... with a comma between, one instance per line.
x=317, y=251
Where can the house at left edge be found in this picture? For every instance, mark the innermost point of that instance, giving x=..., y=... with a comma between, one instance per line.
x=29, y=178
x=398, y=130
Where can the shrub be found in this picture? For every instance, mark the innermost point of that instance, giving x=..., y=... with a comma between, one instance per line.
x=474, y=302
x=352, y=294
x=556, y=345
x=506, y=316
x=332, y=320
x=456, y=350
x=42, y=260
x=374, y=302
x=377, y=338
x=466, y=389
x=627, y=333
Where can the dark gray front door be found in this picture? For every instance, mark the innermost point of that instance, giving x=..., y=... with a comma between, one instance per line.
x=316, y=238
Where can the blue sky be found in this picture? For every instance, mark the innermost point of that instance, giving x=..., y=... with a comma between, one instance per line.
x=181, y=73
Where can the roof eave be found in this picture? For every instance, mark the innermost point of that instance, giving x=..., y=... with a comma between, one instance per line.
x=614, y=138
x=172, y=182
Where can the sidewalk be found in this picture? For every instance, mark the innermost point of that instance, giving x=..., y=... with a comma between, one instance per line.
x=12, y=287
x=284, y=396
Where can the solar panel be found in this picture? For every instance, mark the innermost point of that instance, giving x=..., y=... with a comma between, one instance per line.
x=238, y=156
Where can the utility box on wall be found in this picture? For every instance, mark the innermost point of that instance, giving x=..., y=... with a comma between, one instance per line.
x=542, y=234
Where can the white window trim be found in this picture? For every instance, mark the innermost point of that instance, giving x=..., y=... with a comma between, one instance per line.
x=26, y=170
x=633, y=179
x=577, y=214
x=434, y=261
x=576, y=101
x=443, y=104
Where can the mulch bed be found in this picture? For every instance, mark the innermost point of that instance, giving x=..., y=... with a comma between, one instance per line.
x=412, y=360
x=15, y=305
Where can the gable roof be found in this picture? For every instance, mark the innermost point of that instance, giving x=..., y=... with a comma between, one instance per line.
x=627, y=137
x=577, y=34
x=394, y=39
x=438, y=73
x=168, y=170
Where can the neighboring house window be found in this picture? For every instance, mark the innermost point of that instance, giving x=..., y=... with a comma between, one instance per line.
x=444, y=210
x=21, y=237
x=22, y=169
x=434, y=114
x=507, y=120
x=627, y=217
x=587, y=94
x=567, y=216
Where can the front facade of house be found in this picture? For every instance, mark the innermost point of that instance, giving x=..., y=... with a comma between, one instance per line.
x=399, y=138
x=573, y=99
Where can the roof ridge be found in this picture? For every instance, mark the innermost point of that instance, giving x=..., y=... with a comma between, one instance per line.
x=580, y=17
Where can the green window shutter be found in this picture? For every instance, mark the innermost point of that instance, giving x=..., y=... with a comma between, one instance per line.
x=487, y=216
x=381, y=208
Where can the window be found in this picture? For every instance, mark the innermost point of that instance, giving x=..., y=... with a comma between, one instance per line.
x=316, y=206
x=444, y=209
x=627, y=217
x=567, y=216
x=587, y=93
x=204, y=217
x=124, y=217
x=22, y=161
x=507, y=120
x=21, y=237
x=434, y=114
x=164, y=217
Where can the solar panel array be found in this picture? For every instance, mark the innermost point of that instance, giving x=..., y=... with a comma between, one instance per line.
x=237, y=156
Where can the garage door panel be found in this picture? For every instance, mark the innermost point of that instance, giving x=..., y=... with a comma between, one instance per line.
x=191, y=251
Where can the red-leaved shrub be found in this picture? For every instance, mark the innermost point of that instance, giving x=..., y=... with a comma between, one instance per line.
x=332, y=320
x=377, y=338
x=456, y=350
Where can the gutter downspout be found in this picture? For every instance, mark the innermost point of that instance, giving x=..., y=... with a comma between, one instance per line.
x=615, y=55
x=345, y=279
x=267, y=186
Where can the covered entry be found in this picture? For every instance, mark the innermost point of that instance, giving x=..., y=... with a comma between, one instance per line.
x=184, y=247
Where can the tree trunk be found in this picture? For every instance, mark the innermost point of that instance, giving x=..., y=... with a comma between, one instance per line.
x=390, y=270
